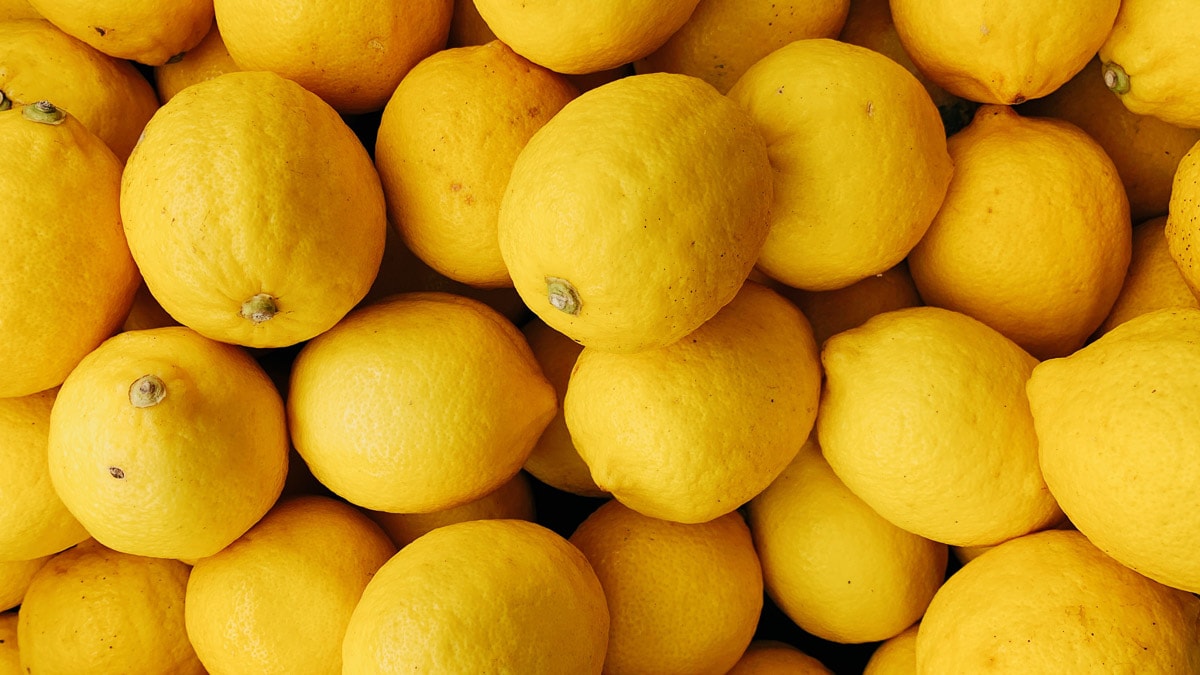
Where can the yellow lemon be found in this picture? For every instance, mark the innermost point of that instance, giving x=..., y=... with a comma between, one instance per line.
x=15, y=577
x=722, y=38
x=771, y=657
x=94, y=610
x=1149, y=62
x=260, y=224
x=205, y=61
x=446, y=145
x=10, y=655
x=682, y=598
x=1052, y=602
x=626, y=236
x=165, y=443
x=1034, y=237
x=572, y=38
x=1118, y=441
x=481, y=596
x=145, y=312
x=38, y=62
x=1183, y=220
x=1002, y=54
x=1153, y=281
x=147, y=31
x=692, y=431
x=837, y=568
x=924, y=417
x=896, y=655
x=831, y=312
x=417, y=403
x=312, y=554
x=61, y=225
x=1145, y=149
x=467, y=27
x=351, y=53
x=17, y=9
x=34, y=522
x=512, y=500
x=852, y=200
x=554, y=459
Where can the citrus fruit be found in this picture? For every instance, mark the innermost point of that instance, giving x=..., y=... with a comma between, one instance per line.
x=38, y=62
x=554, y=459
x=481, y=596
x=353, y=67
x=692, y=431
x=417, y=403
x=1118, y=441
x=313, y=553
x=852, y=200
x=626, y=237
x=1034, y=236
x=831, y=312
x=924, y=417
x=722, y=38
x=145, y=312
x=15, y=577
x=683, y=598
x=837, y=568
x=1052, y=602
x=91, y=609
x=1149, y=63
x=34, y=522
x=1002, y=55
x=467, y=27
x=1153, y=281
x=446, y=144
x=208, y=59
x=896, y=655
x=1183, y=218
x=64, y=249
x=17, y=9
x=771, y=657
x=165, y=443
x=138, y=30
x=571, y=38
x=260, y=223
x=1145, y=149
x=10, y=656
x=512, y=500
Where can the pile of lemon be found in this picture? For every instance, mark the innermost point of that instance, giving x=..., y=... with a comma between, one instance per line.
x=879, y=314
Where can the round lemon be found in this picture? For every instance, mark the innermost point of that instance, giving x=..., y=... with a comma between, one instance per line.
x=831, y=312
x=1153, y=281
x=206, y=60
x=147, y=31
x=896, y=655
x=15, y=577
x=512, y=500
x=636, y=212
x=771, y=657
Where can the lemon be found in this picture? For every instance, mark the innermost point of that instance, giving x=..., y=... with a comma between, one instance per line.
x=446, y=144
x=205, y=61
x=852, y=200
x=512, y=500
x=259, y=224
x=34, y=522
x=831, y=312
x=481, y=596
x=315, y=554
x=692, y=431
x=1183, y=219
x=722, y=38
x=1034, y=236
x=1153, y=280
x=771, y=657
x=637, y=212
x=10, y=656
x=94, y=610
x=417, y=403
x=837, y=568
x=1052, y=602
x=165, y=443
x=1002, y=54
x=64, y=248
x=924, y=416
x=568, y=37
x=896, y=655
x=15, y=577
x=683, y=598
x=147, y=31
x=1149, y=63
x=1118, y=441
x=17, y=9
x=467, y=27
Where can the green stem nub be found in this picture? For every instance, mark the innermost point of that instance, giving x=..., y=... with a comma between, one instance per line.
x=562, y=295
x=1116, y=79
x=5, y=102
x=259, y=308
x=44, y=112
x=147, y=391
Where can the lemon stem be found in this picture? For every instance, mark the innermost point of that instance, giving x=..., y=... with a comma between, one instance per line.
x=259, y=308
x=146, y=391
x=562, y=295
x=43, y=112
x=1116, y=79
x=5, y=102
